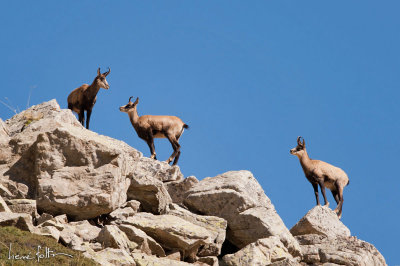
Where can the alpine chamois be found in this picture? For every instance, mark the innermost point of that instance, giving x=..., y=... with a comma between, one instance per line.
x=149, y=127
x=83, y=98
x=322, y=174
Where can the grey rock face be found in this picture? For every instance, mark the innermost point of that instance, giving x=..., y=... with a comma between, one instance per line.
x=239, y=199
x=320, y=220
x=48, y=156
x=178, y=189
x=262, y=252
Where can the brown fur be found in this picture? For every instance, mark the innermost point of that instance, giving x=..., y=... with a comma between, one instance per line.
x=149, y=127
x=322, y=174
x=83, y=98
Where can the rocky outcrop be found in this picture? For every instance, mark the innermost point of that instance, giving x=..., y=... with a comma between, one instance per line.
x=178, y=189
x=173, y=233
x=22, y=221
x=321, y=221
x=324, y=239
x=100, y=196
x=239, y=199
x=262, y=252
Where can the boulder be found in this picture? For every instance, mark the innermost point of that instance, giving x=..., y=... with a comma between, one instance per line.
x=22, y=221
x=178, y=189
x=84, y=230
x=343, y=250
x=23, y=206
x=110, y=257
x=111, y=236
x=134, y=204
x=51, y=154
x=145, y=260
x=322, y=221
x=150, y=192
x=215, y=226
x=210, y=260
x=172, y=233
x=145, y=243
x=122, y=213
x=238, y=198
x=3, y=206
x=262, y=252
x=50, y=231
x=157, y=169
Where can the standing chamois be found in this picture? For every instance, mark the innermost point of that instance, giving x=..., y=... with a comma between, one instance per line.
x=149, y=127
x=322, y=174
x=83, y=98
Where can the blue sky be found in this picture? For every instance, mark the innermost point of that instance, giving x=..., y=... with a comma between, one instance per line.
x=247, y=77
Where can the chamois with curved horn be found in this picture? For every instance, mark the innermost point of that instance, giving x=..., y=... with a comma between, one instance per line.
x=83, y=98
x=322, y=174
x=149, y=127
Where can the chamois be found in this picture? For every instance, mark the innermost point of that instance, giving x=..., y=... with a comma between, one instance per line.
x=83, y=98
x=322, y=174
x=149, y=127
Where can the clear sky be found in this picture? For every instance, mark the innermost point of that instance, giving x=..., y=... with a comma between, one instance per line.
x=248, y=77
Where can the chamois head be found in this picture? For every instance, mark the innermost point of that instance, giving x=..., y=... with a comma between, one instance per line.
x=101, y=79
x=130, y=106
x=300, y=148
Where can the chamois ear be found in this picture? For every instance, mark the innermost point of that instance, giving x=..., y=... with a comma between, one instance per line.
x=98, y=72
x=137, y=101
x=304, y=143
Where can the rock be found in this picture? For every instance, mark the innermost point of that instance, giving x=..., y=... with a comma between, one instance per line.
x=212, y=261
x=172, y=233
x=238, y=198
x=5, y=150
x=48, y=220
x=150, y=192
x=112, y=237
x=145, y=260
x=145, y=243
x=343, y=250
x=3, y=130
x=320, y=220
x=51, y=153
x=157, y=169
x=3, y=206
x=23, y=206
x=289, y=262
x=174, y=255
x=178, y=189
x=134, y=204
x=50, y=231
x=64, y=164
x=43, y=218
x=84, y=230
x=22, y=221
x=215, y=226
x=262, y=252
x=110, y=257
x=122, y=213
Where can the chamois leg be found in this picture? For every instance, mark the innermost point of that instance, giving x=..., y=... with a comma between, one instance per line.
x=315, y=186
x=81, y=116
x=176, y=158
x=335, y=196
x=321, y=184
x=88, y=114
x=175, y=146
x=338, y=209
x=150, y=143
